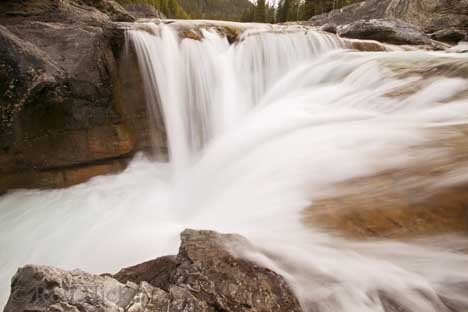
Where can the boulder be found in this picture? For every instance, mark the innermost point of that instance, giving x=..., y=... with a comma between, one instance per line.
x=67, y=109
x=450, y=36
x=204, y=276
x=331, y=28
x=391, y=31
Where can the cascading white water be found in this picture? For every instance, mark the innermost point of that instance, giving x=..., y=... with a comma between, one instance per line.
x=257, y=130
x=206, y=86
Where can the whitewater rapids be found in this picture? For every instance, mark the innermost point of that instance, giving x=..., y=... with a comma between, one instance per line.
x=257, y=130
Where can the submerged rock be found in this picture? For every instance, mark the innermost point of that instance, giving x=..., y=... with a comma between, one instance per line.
x=204, y=276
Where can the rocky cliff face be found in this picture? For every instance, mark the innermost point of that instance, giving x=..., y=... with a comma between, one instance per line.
x=66, y=114
x=204, y=276
x=429, y=15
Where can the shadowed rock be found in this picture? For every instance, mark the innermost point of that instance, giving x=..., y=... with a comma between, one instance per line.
x=67, y=112
x=451, y=36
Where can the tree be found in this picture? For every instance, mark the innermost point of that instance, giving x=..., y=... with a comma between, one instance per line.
x=260, y=12
x=164, y=8
x=172, y=8
x=308, y=9
x=248, y=15
x=271, y=14
x=283, y=11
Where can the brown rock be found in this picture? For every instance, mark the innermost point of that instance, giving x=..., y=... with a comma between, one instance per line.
x=157, y=272
x=82, y=174
x=227, y=283
x=63, y=103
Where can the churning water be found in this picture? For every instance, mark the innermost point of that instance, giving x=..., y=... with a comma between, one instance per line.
x=257, y=130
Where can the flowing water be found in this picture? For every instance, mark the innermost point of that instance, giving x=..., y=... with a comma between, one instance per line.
x=257, y=131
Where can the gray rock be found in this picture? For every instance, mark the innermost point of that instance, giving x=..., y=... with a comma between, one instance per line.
x=451, y=36
x=370, y=9
x=41, y=288
x=203, y=277
x=429, y=15
x=111, y=8
x=384, y=30
x=331, y=28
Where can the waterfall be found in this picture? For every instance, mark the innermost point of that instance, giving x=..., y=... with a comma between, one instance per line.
x=259, y=130
x=205, y=87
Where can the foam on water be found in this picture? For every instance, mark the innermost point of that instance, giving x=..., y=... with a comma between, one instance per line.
x=258, y=130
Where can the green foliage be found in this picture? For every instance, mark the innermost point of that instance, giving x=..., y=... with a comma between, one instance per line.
x=244, y=10
x=231, y=10
x=170, y=8
x=260, y=14
x=299, y=10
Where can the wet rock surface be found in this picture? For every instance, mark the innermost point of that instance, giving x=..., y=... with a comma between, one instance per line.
x=63, y=105
x=204, y=276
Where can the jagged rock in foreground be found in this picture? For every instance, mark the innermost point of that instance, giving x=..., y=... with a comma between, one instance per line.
x=204, y=276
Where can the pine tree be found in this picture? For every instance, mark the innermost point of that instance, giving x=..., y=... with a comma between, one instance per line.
x=248, y=15
x=284, y=8
x=260, y=12
x=164, y=8
x=308, y=9
x=270, y=14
